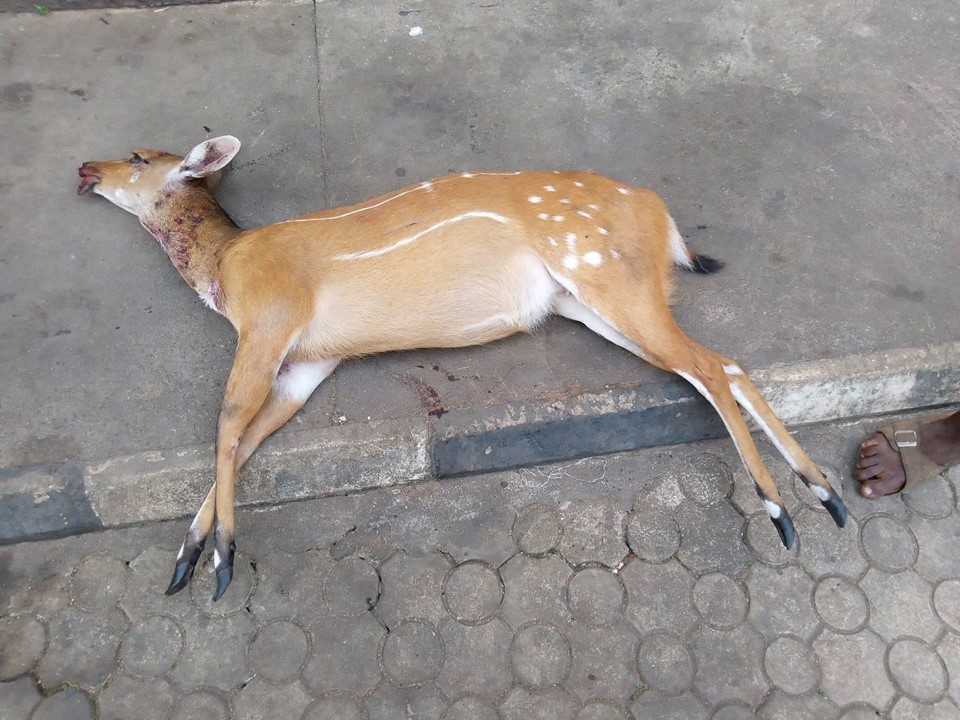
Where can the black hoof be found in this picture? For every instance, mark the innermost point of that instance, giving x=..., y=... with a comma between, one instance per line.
x=183, y=570
x=223, y=565
x=784, y=525
x=836, y=508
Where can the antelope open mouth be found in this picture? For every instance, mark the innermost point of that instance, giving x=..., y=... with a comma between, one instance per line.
x=88, y=178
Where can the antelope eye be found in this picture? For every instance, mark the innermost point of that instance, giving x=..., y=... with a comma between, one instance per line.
x=135, y=159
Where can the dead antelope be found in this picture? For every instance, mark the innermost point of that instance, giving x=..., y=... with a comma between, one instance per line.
x=461, y=260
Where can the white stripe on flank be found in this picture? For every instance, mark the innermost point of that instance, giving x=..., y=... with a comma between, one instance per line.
x=413, y=238
x=422, y=186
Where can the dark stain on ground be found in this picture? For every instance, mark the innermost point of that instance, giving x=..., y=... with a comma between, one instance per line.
x=898, y=291
x=16, y=96
x=450, y=376
x=429, y=397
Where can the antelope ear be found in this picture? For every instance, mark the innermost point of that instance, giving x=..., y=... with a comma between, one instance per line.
x=210, y=156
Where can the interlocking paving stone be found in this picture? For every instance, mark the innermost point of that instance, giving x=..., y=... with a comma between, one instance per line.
x=720, y=600
x=705, y=479
x=763, y=541
x=484, y=536
x=289, y=585
x=43, y=599
x=888, y=543
x=351, y=587
x=278, y=651
x=592, y=532
x=471, y=708
x=540, y=656
x=537, y=529
x=917, y=669
x=933, y=498
x=860, y=712
x=780, y=601
x=710, y=538
x=603, y=711
x=412, y=587
x=344, y=655
x=22, y=639
x=535, y=589
x=669, y=608
x=949, y=651
x=150, y=573
x=727, y=662
x=908, y=709
x=82, y=648
x=411, y=703
x=17, y=698
x=652, y=705
x=732, y=712
x=604, y=662
x=937, y=558
x=889, y=595
x=125, y=697
x=204, y=584
x=259, y=699
x=550, y=704
x=473, y=592
x=826, y=549
x=596, y=596
x=840, y=604
x=837, y=654
x=652, y=535
x=215, y=652
x=791, y=665
x=200, y=705
x=67, y=704
x=665, y=663
x=412, y=653
x=946, y=602
x=335, y=708
x=813, y=706
x=477, y=659
x=151, y=646
x=99, y=581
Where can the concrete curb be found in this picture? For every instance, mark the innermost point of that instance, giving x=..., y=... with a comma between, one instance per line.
x=74, y=497
x=30, y=6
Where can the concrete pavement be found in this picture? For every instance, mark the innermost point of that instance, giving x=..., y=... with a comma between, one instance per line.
x=812, y=148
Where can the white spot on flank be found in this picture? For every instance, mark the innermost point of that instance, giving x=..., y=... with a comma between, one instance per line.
x=593, y=207
x=558, y=218
x=732, y=370
x=534, y=199
x=593, y=258
x=773, y=510
x=549, y=188
x=603, y=231
x=584, y=213
x=543, y=216
x=578, y=183
x=416, y=31
x=614, y=254
x=623, y=191
x=564, y=201
x=436, y=226
x=553, y=241
x=571, y=239
x=570, y=262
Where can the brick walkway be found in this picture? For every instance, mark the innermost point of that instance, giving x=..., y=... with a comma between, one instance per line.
x=599, y=589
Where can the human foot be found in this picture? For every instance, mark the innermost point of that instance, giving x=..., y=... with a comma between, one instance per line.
x=902, y=455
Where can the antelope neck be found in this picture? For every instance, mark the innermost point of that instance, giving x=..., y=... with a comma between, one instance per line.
x=193, y=229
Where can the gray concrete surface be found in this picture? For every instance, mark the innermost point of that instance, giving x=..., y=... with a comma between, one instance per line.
x=644, y=585
x=811, y=148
